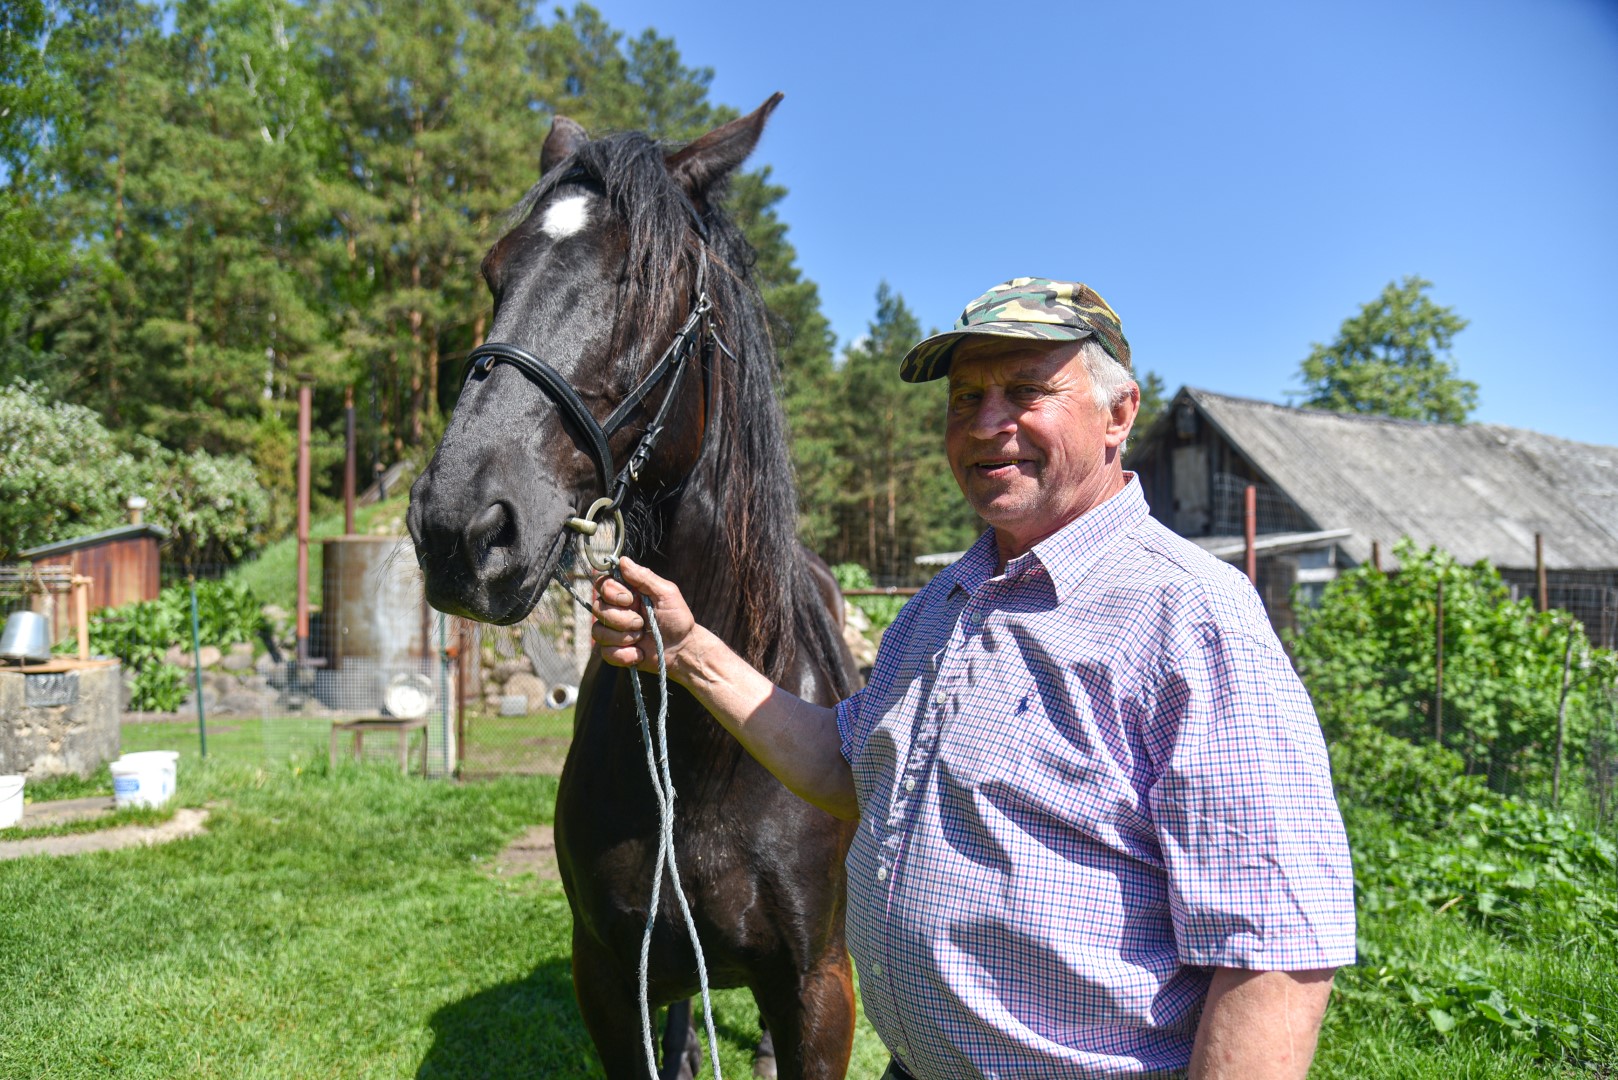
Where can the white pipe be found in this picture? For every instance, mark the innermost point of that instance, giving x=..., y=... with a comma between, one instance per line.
x=562, y=696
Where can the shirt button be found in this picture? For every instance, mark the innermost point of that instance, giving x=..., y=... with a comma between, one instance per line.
x=940, y=697
x=882, y=873
x=910, y=783
x=876, y=968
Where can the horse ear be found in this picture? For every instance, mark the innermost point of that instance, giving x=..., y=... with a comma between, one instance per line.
x=566, y=136
x=699, y=163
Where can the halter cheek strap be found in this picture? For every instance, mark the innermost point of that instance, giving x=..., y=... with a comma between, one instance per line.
x=671, y=365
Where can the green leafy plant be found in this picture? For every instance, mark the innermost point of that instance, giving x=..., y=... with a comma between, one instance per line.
x=881, y=610
x=1369, y=655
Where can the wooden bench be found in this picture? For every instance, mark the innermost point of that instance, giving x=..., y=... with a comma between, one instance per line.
x=401, y=728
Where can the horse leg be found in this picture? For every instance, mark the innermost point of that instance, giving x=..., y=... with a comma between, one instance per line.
x=811, y=1020
x=682, y=1053
x=611, y=1009
x=764, y=1054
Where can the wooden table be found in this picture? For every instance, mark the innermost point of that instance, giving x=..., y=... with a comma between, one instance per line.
x=401, y=728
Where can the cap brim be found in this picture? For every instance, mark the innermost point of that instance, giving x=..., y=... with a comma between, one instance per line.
x=931, y=358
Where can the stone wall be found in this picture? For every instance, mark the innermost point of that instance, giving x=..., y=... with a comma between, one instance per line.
x=40, y=738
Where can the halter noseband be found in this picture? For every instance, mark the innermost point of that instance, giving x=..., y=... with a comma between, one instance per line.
x=672, y=364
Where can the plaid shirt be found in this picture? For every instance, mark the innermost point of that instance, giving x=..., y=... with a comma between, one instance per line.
x=1083, y=781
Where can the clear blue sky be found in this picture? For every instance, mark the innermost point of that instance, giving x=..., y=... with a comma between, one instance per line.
x=1235, y=178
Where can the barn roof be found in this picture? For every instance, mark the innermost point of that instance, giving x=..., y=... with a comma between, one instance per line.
x=1479, y=491
x=122, y=532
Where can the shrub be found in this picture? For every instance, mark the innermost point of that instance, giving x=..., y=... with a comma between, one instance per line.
x=1368, y=655
x=881, y=610
x=63, y=474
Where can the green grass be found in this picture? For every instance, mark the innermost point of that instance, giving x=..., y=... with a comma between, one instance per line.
x=330, y=924
x=342, y=923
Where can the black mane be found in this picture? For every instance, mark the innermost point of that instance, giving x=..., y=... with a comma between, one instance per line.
x=744, y=480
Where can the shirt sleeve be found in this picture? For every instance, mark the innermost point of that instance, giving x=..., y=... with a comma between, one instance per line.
x=1252, y=840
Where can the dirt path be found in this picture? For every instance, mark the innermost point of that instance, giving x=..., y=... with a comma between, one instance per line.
x=534, y=852
x=185, y=822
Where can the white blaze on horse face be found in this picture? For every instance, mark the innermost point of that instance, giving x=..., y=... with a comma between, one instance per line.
x=564, y=217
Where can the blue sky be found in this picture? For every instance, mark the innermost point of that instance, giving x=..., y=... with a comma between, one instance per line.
x=1235, y=178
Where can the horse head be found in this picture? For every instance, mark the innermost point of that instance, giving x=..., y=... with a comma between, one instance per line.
x=609, y=261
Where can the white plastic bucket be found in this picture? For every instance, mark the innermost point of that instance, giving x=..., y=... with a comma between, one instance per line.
x=10, y=800
x=144, y=779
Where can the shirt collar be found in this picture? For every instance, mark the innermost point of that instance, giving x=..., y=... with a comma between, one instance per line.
x=1067, y=553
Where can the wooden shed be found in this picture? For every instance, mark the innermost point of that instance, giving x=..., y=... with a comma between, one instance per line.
x=122, y=564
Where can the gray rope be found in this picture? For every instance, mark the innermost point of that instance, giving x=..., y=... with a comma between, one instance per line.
x=657, y=766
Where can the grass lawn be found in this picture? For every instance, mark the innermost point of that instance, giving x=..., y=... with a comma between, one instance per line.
x=345, y=924
x=331, y=924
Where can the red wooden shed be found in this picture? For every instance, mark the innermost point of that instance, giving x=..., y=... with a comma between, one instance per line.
x=122, y=564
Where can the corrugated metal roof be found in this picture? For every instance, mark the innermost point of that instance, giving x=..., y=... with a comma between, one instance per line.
x=1479, y=491
x=121, y=532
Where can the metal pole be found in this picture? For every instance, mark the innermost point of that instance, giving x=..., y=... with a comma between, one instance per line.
x=349, y=462
x=443, y=692
x=1561, y=718
x=1438, y=693
x=196, y=662
x=1250, y=532
x=305, y=420
x=1376, y=555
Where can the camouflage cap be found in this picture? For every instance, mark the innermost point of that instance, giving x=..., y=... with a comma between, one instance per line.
x=1027, y=307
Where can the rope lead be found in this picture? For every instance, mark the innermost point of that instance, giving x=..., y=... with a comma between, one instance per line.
x=657, y=766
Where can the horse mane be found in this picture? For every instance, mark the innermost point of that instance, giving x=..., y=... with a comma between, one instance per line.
x=745, y=475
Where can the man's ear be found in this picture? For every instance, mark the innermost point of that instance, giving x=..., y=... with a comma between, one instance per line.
x=565, y=137
x=1121, y=417
x=700, y=163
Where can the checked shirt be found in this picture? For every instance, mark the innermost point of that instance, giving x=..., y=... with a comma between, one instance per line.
x=1084, y=781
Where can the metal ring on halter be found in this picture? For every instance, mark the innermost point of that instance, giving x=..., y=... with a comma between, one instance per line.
x=586, y=527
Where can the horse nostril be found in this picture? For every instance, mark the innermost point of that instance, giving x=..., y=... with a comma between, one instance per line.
x=494, y=527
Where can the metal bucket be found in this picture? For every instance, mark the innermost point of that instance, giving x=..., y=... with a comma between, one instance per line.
x=27, y=638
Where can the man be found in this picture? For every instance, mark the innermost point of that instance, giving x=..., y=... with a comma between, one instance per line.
x=1097, y=832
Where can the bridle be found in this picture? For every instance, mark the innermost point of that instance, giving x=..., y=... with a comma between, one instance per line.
x=672, y=365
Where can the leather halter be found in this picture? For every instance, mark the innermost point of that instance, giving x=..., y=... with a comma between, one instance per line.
x=688, y=339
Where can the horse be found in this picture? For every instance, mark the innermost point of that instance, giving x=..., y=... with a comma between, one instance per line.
x=626, y=274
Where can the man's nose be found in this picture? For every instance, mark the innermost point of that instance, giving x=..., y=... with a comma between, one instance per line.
x=994, y=415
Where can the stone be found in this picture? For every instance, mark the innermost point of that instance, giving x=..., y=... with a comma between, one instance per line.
x=855, y=624
x=505, y=669
x=210, y=655
x=239, y=658
x=513, y=705
x=525, y=685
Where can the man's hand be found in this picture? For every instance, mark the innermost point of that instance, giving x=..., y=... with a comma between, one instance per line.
x=795, y=739
x=620, y=631
x=1260, y=1025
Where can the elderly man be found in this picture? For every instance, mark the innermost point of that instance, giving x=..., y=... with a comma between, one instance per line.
x=1097, y=831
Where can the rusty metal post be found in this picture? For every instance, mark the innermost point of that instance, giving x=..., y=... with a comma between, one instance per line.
x=1438, y=683
x=1376, y=555
x=306, y=408
x=1539, y=572
x=348, y=462
x=1250, y=531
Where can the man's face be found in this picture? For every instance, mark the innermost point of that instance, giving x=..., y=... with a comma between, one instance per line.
x=1026, y=440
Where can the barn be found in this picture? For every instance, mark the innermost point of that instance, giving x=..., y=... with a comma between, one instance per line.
x=1335, y=491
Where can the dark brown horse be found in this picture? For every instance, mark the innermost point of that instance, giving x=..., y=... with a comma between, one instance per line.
x=612, y=255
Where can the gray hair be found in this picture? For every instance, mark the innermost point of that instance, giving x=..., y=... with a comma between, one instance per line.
x=1109, y=380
